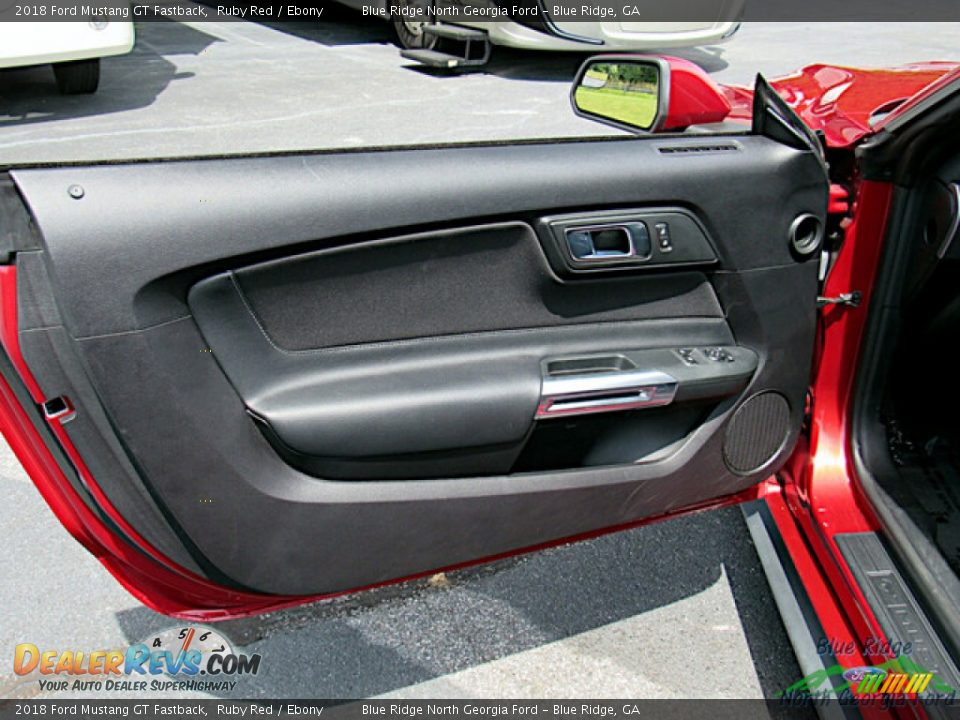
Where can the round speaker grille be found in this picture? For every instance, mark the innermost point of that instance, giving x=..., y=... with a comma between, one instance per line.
x=806, y=232
x=756, y=433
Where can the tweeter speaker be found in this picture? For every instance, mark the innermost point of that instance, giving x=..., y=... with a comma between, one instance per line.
x=757, y=432
x=805, y=235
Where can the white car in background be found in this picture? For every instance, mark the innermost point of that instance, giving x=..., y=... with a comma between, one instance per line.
x=551, y=30
x=73, y=48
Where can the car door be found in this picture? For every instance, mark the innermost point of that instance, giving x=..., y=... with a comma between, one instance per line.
x=251, y=380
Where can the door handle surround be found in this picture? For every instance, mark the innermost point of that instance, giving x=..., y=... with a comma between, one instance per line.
x=618, y=240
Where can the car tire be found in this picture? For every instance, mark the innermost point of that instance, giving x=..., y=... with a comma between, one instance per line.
x=410, y=33
x=79, y=77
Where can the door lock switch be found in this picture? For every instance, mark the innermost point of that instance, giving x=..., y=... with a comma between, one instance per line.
x=686, y=354
x=664, y=241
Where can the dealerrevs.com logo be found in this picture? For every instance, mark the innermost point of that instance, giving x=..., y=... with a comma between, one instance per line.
x=186, y=658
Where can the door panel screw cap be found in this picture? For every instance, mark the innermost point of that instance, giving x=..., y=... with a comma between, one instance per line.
x=75, y=191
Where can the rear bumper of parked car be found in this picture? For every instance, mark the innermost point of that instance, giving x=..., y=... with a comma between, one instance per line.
x=37, y=43
x=606, y=36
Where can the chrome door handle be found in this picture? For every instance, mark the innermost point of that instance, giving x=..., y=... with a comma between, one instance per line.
x=609, y=242
x=604, y=391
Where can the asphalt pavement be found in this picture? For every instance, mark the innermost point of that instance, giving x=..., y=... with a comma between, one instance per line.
x=672, y=610
x=676, y=609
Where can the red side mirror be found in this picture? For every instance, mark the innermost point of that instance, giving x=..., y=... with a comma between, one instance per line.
x=694, y=98
x=647, y=93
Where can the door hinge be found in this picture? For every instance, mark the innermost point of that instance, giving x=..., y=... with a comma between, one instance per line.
x=850, y=299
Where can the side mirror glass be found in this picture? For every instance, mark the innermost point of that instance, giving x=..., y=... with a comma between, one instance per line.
x=626, y=92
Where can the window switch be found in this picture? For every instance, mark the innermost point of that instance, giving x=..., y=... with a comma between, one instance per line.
x=718, y=354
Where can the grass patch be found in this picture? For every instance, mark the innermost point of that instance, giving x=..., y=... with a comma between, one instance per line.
x=633, y=108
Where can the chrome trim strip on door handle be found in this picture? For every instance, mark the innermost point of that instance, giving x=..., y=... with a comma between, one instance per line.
x=604, y=392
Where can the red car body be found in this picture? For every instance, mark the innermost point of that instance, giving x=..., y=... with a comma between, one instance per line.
x=820, y=496
x=847, y=104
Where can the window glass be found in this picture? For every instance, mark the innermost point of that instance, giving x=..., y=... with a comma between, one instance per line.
x=194, y=86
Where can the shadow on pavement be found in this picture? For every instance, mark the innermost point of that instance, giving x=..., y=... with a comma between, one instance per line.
x=340, y=26
x=127, y=82
x=344, y=26
x=382, y=640
x=514, y=64
x=544, y=66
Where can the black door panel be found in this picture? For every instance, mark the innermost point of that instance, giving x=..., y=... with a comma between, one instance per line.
x=426, y=346
x=450, y=282
x=124, y=255
x=316, y=373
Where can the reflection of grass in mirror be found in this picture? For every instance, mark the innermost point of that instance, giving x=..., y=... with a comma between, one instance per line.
x=626, y=106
